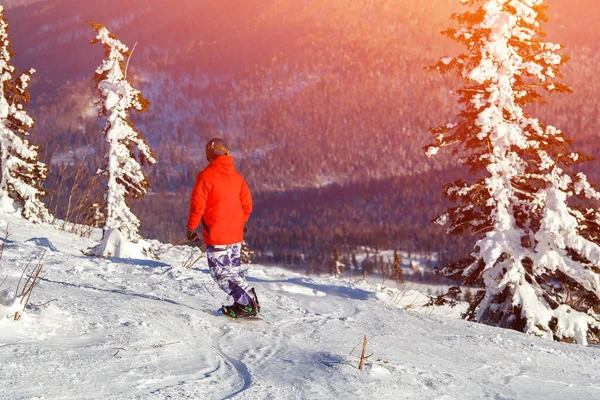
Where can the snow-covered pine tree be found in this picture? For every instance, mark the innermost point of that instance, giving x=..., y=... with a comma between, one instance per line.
x=21, y=173
x=123, y=164
x=536, y=254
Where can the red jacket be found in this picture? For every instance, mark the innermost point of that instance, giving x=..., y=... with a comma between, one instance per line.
x=221, y=200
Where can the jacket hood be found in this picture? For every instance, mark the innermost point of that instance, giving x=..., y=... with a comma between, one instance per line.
x=223, y=164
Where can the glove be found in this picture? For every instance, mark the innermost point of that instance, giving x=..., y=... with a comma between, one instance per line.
x=192, y=235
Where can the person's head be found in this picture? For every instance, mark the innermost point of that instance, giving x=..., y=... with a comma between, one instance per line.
x=216, y=147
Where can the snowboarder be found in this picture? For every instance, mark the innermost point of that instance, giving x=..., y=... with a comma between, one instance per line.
x=222, y=203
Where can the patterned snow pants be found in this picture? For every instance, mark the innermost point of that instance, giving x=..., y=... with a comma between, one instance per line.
x=225, y=264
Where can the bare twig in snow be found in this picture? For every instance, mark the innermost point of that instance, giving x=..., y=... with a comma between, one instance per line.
x=193, y=259
x=24, y=292
x=6, y=235
x=16, y=316
x=44, y=304
x=354, y=348
x=362, y=356
x=118, y=350
x=163, y=344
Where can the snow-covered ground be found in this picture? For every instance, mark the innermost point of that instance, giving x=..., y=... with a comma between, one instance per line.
x=123, y=329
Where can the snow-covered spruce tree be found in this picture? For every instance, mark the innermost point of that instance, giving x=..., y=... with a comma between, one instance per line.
x=21, y=173
x=123, y=164
x=536, y=254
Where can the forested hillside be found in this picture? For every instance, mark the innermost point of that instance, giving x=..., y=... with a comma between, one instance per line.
x=325, y=103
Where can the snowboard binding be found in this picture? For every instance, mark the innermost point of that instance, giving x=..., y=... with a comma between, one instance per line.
x=238, y=311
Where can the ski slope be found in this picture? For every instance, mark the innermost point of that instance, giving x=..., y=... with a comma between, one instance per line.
x=139, y=329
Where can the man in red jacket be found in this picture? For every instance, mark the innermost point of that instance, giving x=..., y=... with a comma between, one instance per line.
x=222, y=203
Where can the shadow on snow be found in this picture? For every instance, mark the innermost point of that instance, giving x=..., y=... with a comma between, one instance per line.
x=120, y=292
x=345, y=292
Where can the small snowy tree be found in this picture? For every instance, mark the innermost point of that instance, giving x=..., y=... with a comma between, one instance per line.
x=536, y=253
x=21, y=173
x=123, y=164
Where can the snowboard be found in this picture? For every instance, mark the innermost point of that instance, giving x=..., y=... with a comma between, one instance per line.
x=223, y=311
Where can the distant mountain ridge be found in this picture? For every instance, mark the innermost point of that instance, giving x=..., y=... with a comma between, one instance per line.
x=352, y=73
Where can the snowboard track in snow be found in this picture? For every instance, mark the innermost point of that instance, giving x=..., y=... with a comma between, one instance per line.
x=241, y=368
x=180, y=387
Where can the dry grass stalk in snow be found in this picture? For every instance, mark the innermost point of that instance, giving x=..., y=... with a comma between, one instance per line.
x=76, y=187
x=362, y=355
x=193, y=259
x=24, y=292
x=6, y=235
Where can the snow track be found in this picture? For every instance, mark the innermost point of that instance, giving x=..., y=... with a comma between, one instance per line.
x=242, y=372
x=123, y=329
